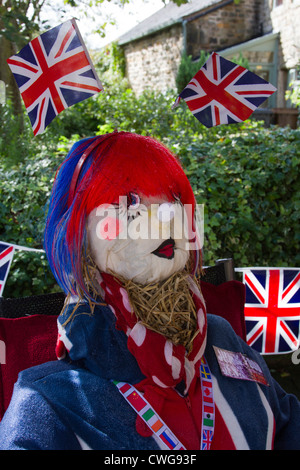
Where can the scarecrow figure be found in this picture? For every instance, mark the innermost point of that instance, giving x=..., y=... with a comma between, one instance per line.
x=141, y=363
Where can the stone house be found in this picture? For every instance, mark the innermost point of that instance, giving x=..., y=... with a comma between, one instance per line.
x=266, y=32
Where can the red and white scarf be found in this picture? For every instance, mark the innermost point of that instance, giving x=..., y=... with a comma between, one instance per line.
x=162, y=362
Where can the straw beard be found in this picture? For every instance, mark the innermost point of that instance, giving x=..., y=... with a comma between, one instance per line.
x=166, y=307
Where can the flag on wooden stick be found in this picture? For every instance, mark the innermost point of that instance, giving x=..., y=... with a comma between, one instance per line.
x=54, y=71
x=223, y=92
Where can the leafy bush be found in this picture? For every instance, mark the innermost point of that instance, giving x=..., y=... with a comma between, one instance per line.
x=24, y=191
x=246, y=176
x=188, y=68
x=11, y=146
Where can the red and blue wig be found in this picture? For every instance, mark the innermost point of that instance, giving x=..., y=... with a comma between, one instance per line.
x=98, y=170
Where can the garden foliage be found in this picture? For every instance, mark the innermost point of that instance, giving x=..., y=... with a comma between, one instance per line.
x=246, y=176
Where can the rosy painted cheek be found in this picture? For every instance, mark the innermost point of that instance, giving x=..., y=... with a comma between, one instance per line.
x=109, y=228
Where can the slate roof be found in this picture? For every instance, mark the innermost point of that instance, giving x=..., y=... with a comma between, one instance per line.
x=169, y=15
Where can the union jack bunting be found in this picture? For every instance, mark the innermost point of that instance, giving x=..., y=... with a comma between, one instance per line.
x=6, y=256
x=54, y=71
x=272, y=309
x=223, y=92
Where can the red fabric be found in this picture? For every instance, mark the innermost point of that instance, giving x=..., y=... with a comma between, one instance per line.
x=31, y=340
x=227, y=300
x=28, y=341
x=169, y=363
x=184, y=416
x=222, y=438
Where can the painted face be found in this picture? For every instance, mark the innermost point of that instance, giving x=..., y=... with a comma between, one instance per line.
x=144, y=240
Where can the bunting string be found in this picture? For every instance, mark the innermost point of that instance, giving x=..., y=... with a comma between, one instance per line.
x=7, y=251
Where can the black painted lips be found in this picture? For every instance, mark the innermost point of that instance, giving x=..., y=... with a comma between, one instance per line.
x=166, y=249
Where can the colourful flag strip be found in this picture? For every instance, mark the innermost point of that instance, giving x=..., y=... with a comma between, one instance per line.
x=148, y=415
x=208, y=406
x=157, y=425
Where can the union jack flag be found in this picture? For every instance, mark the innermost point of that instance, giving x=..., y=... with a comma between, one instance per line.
x=6, y=256
x=207, y=436
x=223, y=92
x=54, y=71
x=272, y=309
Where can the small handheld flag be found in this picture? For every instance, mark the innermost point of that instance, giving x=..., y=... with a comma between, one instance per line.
x=6, y=256
x=223, y=92
x=54, y=71
x=272, y=309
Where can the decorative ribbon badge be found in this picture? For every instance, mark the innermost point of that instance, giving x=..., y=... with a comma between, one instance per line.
x=238, y=366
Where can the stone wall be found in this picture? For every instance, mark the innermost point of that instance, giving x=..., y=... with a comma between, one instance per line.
x=218, y=28
x=153, y=62
x=283, y=17
x=286, y=19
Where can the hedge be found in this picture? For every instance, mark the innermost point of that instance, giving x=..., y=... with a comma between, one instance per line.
x=246, y=176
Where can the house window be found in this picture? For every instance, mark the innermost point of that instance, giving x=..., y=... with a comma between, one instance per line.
x=277, y=3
